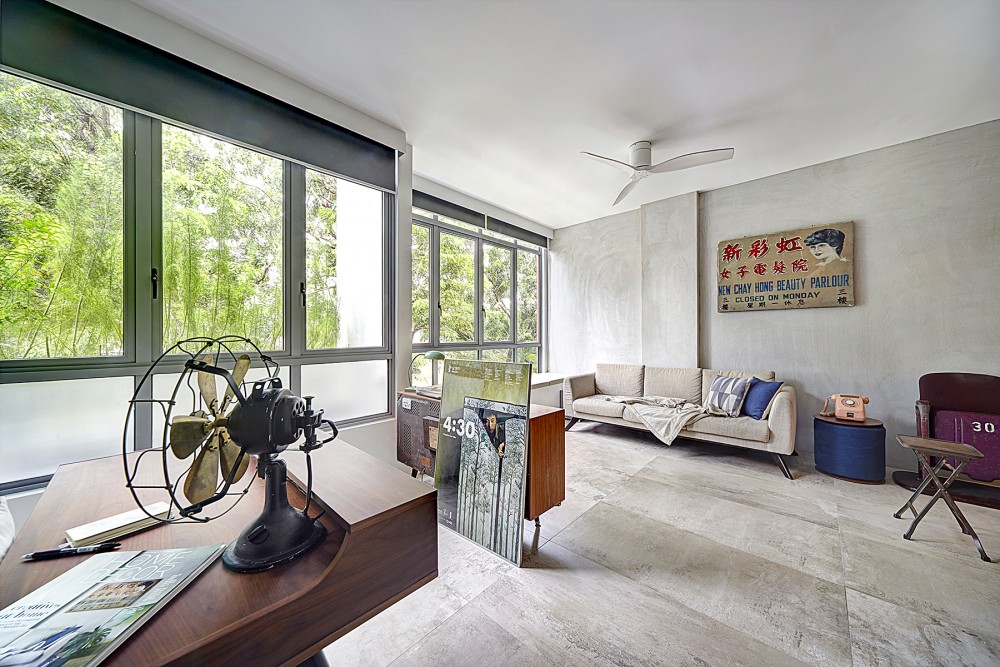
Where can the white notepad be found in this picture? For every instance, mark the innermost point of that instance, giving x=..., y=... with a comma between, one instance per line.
x=119, y=525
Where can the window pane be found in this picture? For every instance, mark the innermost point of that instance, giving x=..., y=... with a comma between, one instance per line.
x=497, y=265
x=528, y=355
x=344, y=263
x=421, y=250
x=457, y=289
x=498, y=355
x=61, y=224
x=527, y=297
x=222, y=235
x=37, y=436
x=348, y=390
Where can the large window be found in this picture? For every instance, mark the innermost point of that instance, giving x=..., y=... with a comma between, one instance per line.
x=61, y=224
x=121, y=234
x=475, y=294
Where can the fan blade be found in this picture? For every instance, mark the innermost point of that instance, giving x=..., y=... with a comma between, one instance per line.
x=693, y=160
x=614, y=163
x=239, y=372
x=206, y=383
x=203, y=477
x=627, y=189
x=230, y=452
x=186, y=433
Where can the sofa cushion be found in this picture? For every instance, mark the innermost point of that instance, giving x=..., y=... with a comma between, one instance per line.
x=619, y=380
x=598, y=405
x=708, y=376
x=674, y=382
x=630, y=415
x=759, y=398
x=727, y=394
x=746, y=428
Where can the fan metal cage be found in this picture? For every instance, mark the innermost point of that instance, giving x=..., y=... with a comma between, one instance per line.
x=157, y=468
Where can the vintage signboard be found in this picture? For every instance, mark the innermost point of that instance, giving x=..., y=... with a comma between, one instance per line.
x=802, y=268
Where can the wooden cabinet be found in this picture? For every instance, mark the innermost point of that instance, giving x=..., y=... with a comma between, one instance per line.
x=546, y=460
x=416, y=445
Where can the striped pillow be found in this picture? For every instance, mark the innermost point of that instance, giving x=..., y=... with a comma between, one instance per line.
x=727, y=394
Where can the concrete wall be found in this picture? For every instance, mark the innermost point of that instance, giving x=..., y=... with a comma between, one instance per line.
x=670, y=282
x=595, y=293
x=625, y=289
x=927, y=266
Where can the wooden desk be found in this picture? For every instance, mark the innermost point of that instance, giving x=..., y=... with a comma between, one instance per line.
x=382, y=545
x=546, y=484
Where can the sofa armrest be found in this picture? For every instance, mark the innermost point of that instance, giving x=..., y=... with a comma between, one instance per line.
x=578, y=386
x=781, y=421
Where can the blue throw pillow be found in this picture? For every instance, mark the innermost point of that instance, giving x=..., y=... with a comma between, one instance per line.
x=759, y=397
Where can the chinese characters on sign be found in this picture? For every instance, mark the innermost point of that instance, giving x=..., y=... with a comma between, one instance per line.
x=803, y=268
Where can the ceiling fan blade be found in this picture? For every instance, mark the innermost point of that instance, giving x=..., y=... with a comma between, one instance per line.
x=203, y=477
x=206, y=384
x=186, y=433
x=239, y=372
x=614, y=163
x=230, y=452
x=627, y=189
x=693, y=160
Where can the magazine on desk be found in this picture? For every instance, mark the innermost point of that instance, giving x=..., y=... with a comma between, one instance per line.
x=80, y=617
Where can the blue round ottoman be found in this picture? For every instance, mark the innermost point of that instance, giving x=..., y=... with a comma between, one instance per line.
x=854, y=451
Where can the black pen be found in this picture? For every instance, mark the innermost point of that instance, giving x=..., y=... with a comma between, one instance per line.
x=72, y=551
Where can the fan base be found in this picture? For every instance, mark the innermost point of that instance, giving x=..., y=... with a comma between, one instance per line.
x=238, y=560
x=281, y=532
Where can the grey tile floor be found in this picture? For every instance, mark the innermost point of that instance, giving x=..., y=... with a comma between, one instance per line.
x=699, y=554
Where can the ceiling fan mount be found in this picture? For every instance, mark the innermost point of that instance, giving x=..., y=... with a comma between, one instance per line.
x=640, y=163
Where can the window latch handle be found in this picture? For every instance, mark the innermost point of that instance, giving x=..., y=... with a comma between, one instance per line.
x=155, y=279
x=302, y=291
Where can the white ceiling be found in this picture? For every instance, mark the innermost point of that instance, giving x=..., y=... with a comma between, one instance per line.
x=498, y=98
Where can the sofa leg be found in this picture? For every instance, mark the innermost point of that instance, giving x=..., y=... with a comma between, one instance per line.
x=572, y=422
x=781, y=464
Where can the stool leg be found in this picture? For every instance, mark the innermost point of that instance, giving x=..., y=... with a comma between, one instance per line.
x=928, y=473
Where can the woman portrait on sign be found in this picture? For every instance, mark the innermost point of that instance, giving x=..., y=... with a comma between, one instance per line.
x=827, y=246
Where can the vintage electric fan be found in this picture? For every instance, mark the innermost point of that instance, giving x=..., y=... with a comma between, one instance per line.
x=206, y=447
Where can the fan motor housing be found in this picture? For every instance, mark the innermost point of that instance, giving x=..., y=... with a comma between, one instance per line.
x=640, y=154
x=266, y=423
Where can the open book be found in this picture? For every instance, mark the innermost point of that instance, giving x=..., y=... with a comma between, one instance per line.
x=80, y=617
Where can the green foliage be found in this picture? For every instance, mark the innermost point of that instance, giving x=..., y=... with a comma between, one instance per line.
x=322, y=303
x=457, y=289
x=61, y=224
x=222, y=240
x=527, y=297
x=496, y=292
x=420, y=250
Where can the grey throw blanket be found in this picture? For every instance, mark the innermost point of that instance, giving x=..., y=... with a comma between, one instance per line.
x=665, y=416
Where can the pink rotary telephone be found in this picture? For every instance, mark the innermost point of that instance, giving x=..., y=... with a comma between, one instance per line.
x=849, y=407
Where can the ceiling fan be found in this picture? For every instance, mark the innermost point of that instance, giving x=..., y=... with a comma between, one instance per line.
x=640, y=158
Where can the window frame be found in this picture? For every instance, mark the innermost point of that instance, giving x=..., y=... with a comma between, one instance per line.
x=436, y=227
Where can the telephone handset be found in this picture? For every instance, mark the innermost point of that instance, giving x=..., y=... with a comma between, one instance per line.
x=849, y=407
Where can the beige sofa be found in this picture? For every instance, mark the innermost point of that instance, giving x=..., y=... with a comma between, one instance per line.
x=585, y=398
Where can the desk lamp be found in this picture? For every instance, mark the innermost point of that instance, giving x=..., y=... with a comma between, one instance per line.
x=433, y=355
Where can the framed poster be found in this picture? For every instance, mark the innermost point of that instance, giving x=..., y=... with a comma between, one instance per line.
x=802, y=268
x=482, y=453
